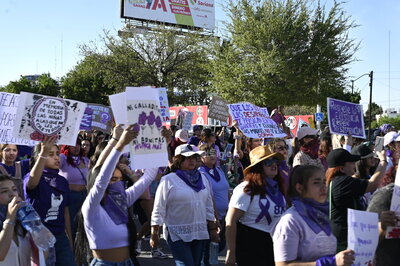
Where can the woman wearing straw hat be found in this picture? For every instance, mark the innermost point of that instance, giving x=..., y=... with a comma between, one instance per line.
x=255, y=207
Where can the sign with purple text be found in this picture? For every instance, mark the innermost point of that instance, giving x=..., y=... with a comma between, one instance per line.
x=164, y=105
x=345, y=117
x=102, y=117
x=394, y=232
x=254, y=121
x=40, y=115
x=149, y=149
x=363, y=235
x=8, y=111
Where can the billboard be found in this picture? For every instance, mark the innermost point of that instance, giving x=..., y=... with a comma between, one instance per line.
x=192, y=13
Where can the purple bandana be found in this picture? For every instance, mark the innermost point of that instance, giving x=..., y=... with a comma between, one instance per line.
x=315, y=214
x=50, y=176
x=116, y=203
x=274, y=193
x=192, y=179
x=213, y=172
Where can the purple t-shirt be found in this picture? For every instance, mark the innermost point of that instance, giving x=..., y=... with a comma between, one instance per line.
x=49, y=201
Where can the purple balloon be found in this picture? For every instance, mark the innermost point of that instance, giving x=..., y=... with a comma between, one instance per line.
x=151, y=118
x=158, y=122
x=142, y=119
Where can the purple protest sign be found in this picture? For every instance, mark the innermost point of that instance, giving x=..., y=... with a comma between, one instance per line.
x=86, y=122
x=345, y=117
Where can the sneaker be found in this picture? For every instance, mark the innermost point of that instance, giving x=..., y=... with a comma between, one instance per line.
x=138, y=246
x=158, y=254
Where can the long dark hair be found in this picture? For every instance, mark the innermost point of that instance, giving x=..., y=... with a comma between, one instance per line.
x=301, y=174
x=83, y=253
x=362, y=169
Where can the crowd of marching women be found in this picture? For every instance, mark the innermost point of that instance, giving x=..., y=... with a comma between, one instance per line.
x=280, y=201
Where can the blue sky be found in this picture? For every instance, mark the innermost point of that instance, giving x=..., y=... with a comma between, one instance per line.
x=43, y=36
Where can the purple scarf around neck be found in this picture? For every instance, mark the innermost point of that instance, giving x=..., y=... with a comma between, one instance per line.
x=115, y=203
x=213, y=172
x=50, y=176
x=274, y=193
x=192, y=179
x=315, y=214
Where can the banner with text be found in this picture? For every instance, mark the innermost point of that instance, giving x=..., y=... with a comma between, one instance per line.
x=102, y=117
x=218, y=109
x=394, y=232
x=8, y=111
x=363, y=235
x=345, y=117
x=41, y=115
x=254, y=121
x=149, y=149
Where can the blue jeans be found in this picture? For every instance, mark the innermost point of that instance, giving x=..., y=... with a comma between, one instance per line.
x=186, y=253
x=99, y=262
x=64, y=254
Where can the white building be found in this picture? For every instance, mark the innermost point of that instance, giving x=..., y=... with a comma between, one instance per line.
x=390, y=112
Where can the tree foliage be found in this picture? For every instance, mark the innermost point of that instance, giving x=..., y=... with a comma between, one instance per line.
x=395, y=121
x=284, y=52
x=43, y=85
x=160, y=58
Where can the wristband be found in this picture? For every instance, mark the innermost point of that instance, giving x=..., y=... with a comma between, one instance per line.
x=326, y=261
x=383, y=161
x=43, y=157
x=8, y=222
x=115, y=139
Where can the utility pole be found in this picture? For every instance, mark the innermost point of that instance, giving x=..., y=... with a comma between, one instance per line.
x=371, y=78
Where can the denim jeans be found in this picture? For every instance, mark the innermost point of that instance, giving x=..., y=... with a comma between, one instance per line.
x=76, y=200
x=64, y=254
x=99, y=262
x=186, y=253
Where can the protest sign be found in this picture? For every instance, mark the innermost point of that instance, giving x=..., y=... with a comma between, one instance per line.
x=41, y=115
x=8, y=110
x=200, y=112
x=363, y=235
x=226, y=152
x=254, y=121
x=345, y=117
x=394, y=232
x=118, y=106
x=149, y=149
x=164, y=105
x=101, y=118
x=218, y=109
x=187, y=120
x=86, y=123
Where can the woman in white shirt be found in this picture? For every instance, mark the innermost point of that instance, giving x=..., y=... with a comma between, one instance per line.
x=255, y=207
x=303, y=235
x=15, y=247
x=184, y=204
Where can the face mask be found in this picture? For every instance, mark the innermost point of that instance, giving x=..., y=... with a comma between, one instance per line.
x=116, y=204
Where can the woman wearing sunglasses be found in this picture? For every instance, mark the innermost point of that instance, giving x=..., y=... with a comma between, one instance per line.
x=279, y=145
x=255, y=207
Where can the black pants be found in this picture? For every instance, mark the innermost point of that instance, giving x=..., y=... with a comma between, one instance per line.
x=253, y=247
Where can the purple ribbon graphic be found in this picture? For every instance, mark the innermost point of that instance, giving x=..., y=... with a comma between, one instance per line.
x=264, y=210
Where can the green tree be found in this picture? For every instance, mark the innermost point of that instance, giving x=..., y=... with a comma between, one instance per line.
x=85, y=83
x=160, y=58
x=284, y=52
x=375, y=110
x=44, y=84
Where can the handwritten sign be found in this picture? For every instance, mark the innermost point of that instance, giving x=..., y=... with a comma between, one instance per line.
x=102, y=117
x=345, y=117
x=218, y=109
x=187, y=120
x=254, y=121
x=39, y=115
x=164, y=105
x=149, y=149
x=394, y=232
x=363, y=235
x=8, y=110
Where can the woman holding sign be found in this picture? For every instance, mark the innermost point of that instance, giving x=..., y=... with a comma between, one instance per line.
x=105, y=209
x=346, y=191
x=303, y=235
x=255, y=207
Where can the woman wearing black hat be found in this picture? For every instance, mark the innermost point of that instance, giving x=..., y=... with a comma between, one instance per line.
x=345, y=191
x=255, y=207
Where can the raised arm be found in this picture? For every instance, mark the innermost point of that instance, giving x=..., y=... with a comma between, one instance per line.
x=38, y=167
x=116, y=135
x=379, y=172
